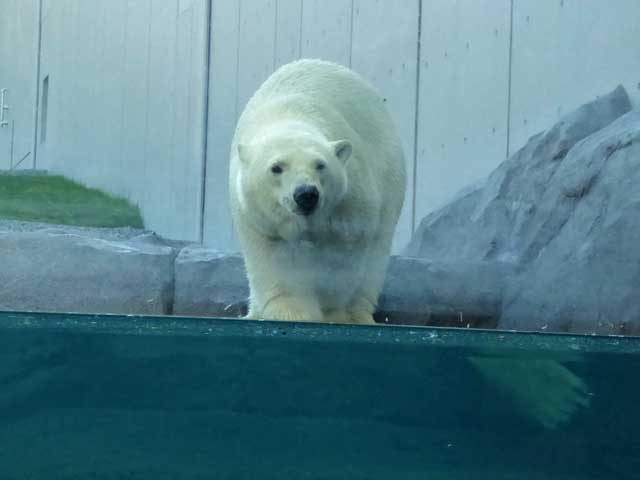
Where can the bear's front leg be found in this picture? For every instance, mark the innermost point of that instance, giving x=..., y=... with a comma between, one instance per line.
x=292, y=308
x=361, y=310
x=337, y=316
x=365, y=300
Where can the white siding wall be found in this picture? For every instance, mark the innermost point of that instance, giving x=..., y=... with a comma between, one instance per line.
x=126, y=102
x=488, y=78
x=464, y=84
x=565, y=53
x=388, y=58
x=467, y=81
x=248, y=44
x=18, y=42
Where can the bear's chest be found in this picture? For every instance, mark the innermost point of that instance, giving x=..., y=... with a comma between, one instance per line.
x=332, y=271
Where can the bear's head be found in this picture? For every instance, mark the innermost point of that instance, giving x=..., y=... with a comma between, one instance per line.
x=292, y=181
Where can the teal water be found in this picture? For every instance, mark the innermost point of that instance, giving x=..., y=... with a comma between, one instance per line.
x=98, y=397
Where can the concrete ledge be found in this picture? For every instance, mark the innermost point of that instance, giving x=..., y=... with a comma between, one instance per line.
x=62, y=269
x=50, y=270
x=209, y=283
x=463, y=294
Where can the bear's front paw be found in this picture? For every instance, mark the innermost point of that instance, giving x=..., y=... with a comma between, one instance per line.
x=543, y=389
x=337, y=316
x=361, y=310
x=292, y=309
x=341, y=316
x=362, y=317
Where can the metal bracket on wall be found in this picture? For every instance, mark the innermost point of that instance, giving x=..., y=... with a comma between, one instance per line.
x=3, y=107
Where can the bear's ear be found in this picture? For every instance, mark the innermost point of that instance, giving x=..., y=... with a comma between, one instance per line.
x=243, y=153
x=343, y=150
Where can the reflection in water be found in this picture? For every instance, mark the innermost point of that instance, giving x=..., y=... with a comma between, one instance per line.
x=138, y=406
x=542, y=388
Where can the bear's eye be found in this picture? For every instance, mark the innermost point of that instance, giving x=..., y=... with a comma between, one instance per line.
x=321, y=166
x=276, y=169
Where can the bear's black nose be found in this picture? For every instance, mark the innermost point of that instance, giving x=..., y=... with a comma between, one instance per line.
x=306, y=196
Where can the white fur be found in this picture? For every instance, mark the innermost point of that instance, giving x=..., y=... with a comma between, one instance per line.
x=330, y=265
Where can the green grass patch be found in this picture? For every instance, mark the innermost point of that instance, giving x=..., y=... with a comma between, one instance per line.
x=55, y=199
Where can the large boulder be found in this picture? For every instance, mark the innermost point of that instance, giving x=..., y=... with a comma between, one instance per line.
x=564, y=212
x=586, y=275
x=501, y=219
x=50, y=269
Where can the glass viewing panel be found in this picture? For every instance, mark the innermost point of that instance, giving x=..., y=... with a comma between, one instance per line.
x=447, y=174
x=110, y=397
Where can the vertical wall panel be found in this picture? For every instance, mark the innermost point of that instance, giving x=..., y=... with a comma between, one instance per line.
x=182, y=119
x=60, y=106
x=388, y=59
x=92, y=145
x=18, y=45
x=135, y=94
x=326, y=30
x=126, y=91
x=159, y=135
x=187, y=155
x=223, y=113
x=464, y=72
x=256, y=49
x=117, y=92
x=188, y=118
x=184, y=5
x=288, y=25
x=565, y=53
x=111, y=79
x=195, y=148
x=254, y=45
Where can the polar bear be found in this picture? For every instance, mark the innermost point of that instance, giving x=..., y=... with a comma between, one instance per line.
x=317, y=183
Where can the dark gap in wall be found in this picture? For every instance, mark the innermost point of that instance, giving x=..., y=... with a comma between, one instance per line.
x=205, y=120
x=509, y=80
x=416, y=125
x=45, y=109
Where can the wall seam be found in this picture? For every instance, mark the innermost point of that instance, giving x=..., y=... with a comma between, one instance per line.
x=123, y=69
x=416, y=126
x=145, y=167
x=275, y=36
x=509, y=80
x=36, y=107
x=351, y=36
x=300, y=32
x=205, y=114
x=238, y=54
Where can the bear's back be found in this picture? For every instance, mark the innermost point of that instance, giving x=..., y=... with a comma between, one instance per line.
x=336, y=87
